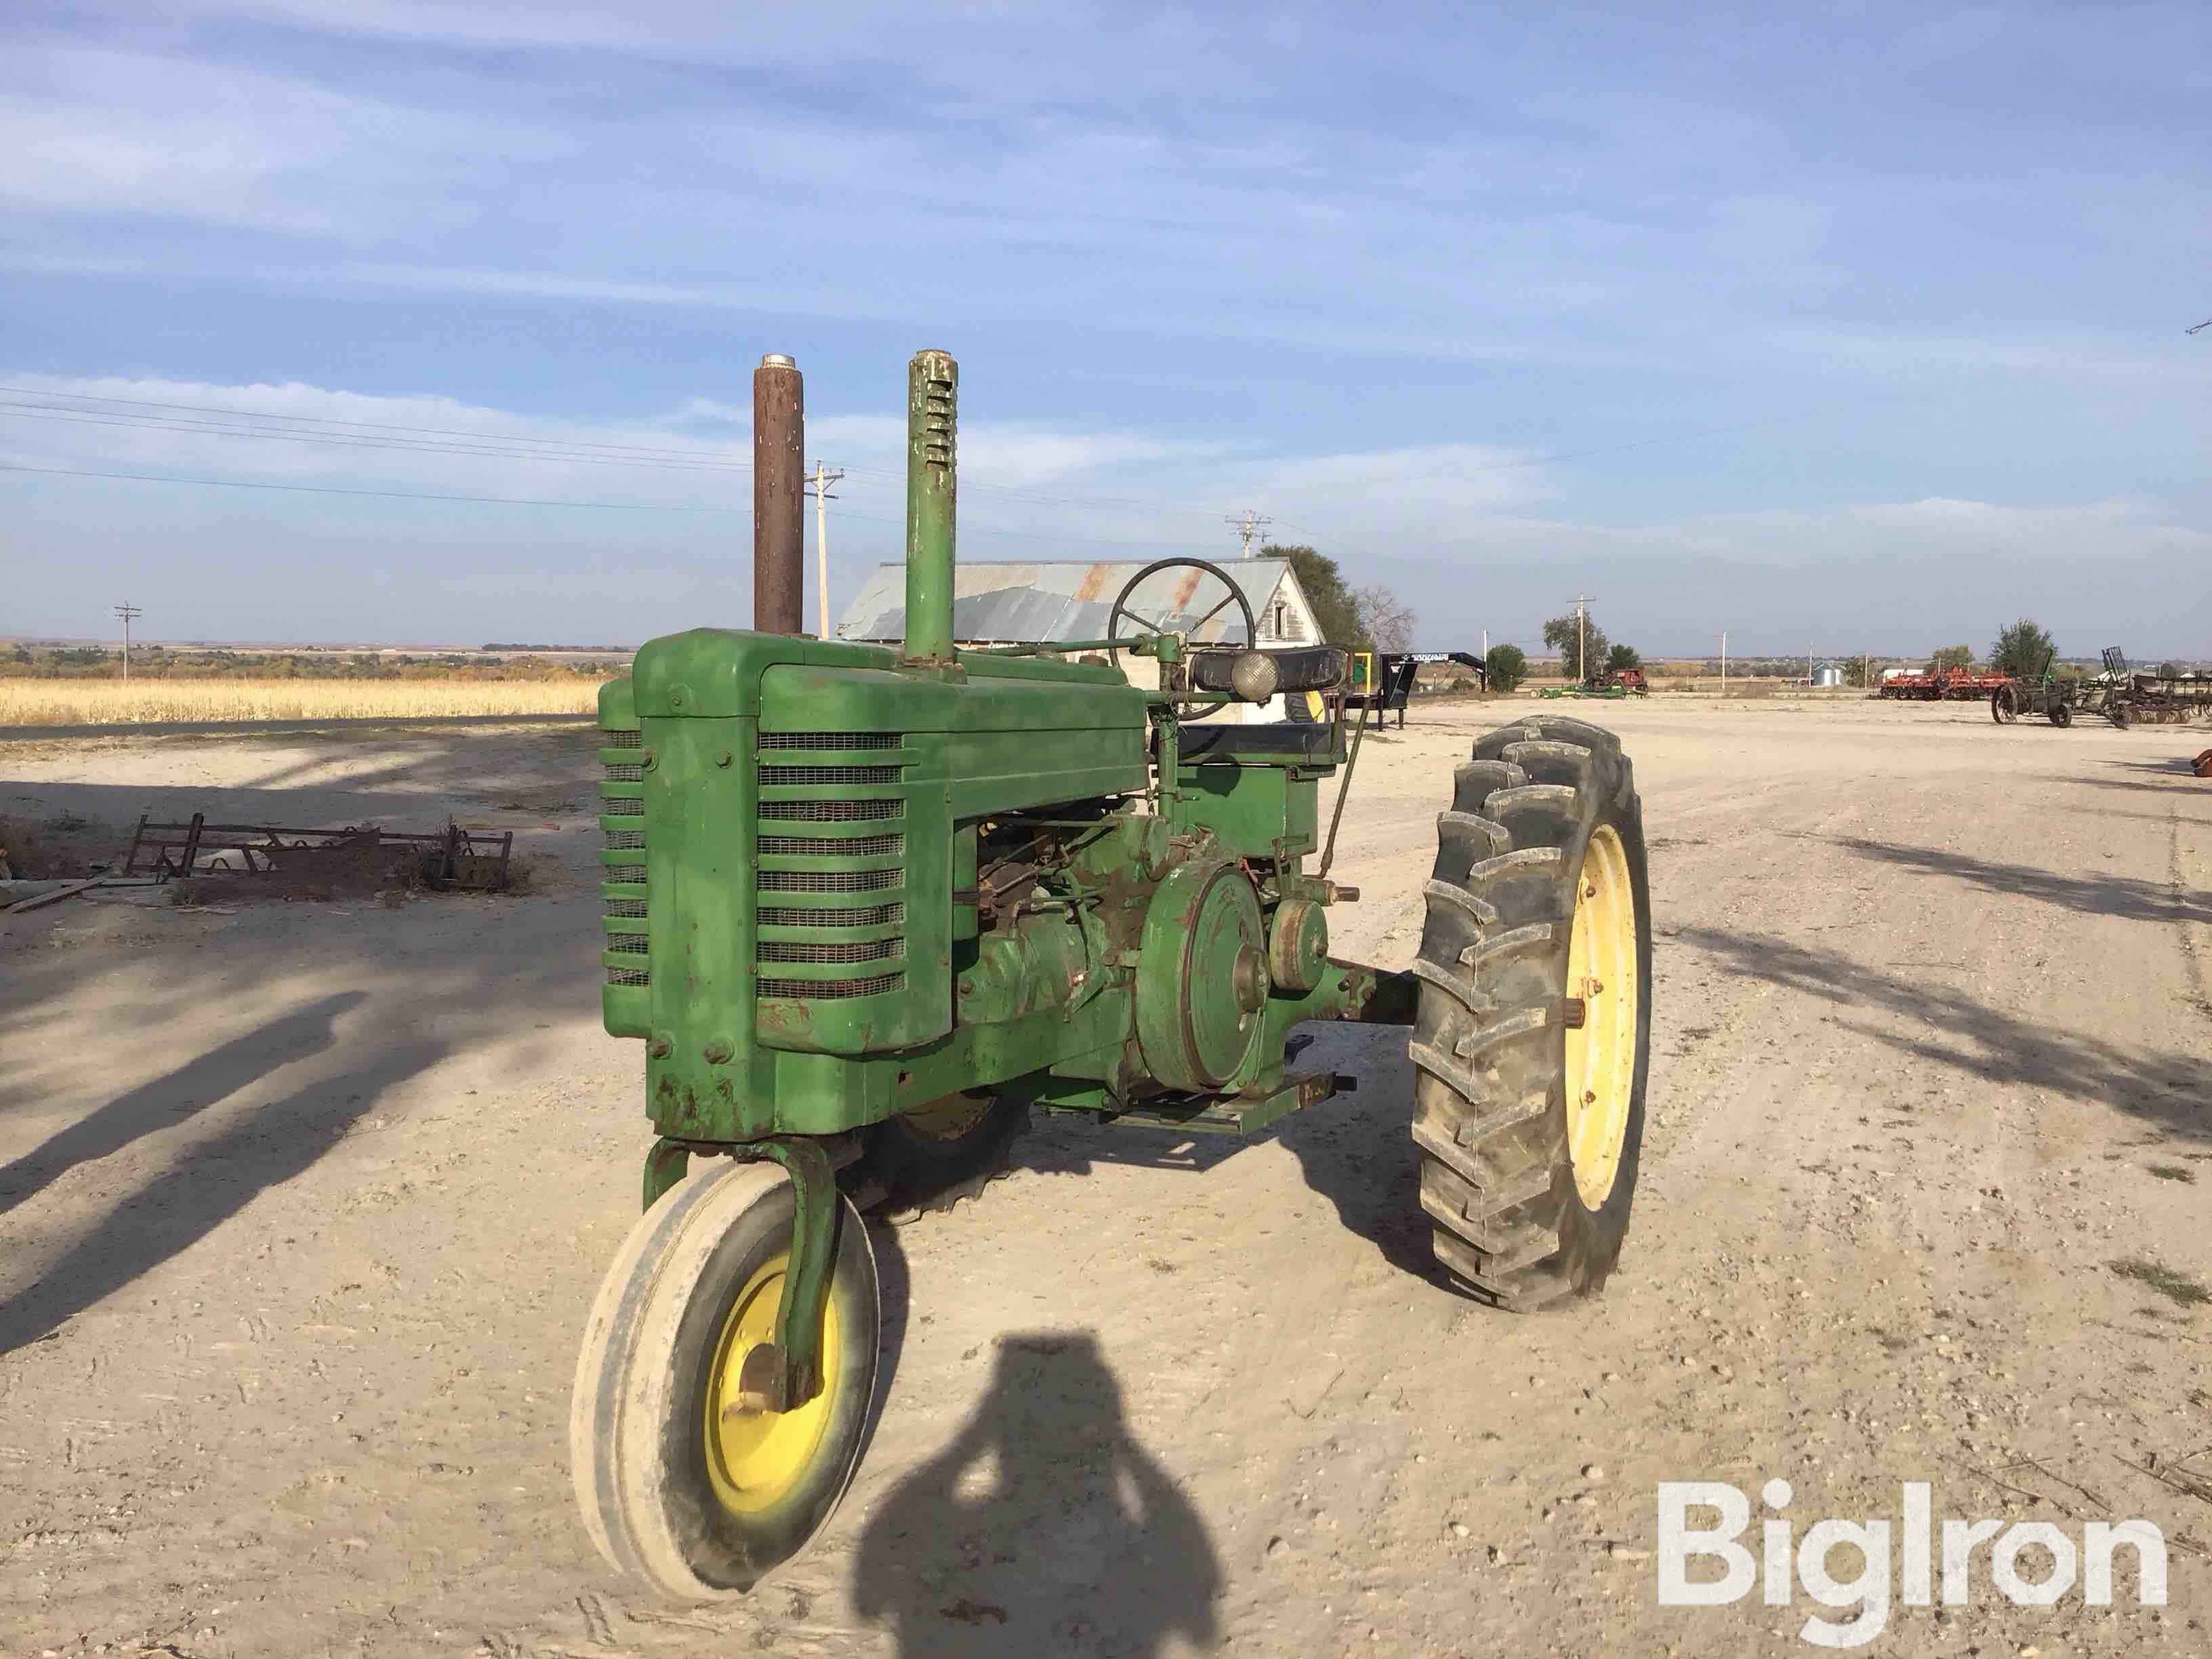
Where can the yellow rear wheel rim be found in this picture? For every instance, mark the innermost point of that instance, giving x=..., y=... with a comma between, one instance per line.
x=1601, y=970
x=757, y=1459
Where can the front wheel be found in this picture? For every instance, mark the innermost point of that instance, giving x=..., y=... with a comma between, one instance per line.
x=1532, y=1039
x=2004, y=705
x=2061, y=714
x=684, y=1485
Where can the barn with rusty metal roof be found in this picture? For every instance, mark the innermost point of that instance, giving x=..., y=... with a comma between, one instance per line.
x=1016, y=602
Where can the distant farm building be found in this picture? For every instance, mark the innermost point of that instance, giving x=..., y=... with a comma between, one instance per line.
x=1030, y=602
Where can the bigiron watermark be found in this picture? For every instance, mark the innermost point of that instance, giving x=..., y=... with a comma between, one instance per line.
x=1930, y=1560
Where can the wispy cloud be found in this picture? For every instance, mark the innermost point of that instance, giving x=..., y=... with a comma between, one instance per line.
x=1774, y=293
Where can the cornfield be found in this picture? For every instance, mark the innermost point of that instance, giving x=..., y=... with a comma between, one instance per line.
x=122, y=702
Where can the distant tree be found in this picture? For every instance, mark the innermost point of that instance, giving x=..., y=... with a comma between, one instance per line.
x=1388, y=619
x=1952, y=656
x=1508, y=665
x=1860, y=671
x=2169, y=670
x=1619, y=658
x=2021, y=650
x=1336, y=613
x=1581, y=649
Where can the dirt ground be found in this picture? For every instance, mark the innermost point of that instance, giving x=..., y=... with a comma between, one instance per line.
x=302, y=1205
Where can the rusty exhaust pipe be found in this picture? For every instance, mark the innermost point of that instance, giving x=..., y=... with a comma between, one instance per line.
x=778, y=467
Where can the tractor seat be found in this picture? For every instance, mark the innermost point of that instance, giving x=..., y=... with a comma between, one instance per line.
x=1274, y=743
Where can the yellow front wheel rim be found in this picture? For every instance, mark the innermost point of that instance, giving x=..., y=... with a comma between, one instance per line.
x=756, y=1459
x=1601, y=971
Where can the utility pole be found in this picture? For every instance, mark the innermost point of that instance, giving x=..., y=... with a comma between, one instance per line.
x=1724, y=662
x=1582, y=638
x=127, y=611
x=1247, y=527
x=818, y=487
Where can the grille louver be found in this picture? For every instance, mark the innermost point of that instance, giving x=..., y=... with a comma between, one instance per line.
x=618, y=800
x=872, y=795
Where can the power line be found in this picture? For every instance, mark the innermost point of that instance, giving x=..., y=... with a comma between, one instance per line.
x=1248, y=527
x=128, y=611
x=515, y=500
x=818, y=487
x=332, y=489
x=341, y=439
x=373, y=426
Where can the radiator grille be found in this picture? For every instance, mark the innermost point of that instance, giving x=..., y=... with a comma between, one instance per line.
x=828, y=881
x=830, y=811
x=867, y=915
x=773, y=777
x=831, y=990
x=873, y=800
x=631, y=940
x=850, y=950
x=844, y=742
x=808, y=847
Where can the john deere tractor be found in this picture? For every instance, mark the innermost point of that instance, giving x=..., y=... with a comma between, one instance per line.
x=868, y=908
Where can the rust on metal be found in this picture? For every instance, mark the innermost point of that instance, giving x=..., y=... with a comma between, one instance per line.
x=456, y=857
x=779, y=469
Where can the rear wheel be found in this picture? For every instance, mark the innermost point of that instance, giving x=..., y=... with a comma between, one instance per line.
x=684, y=1485
x=932, y=1158
x=1533, y=1035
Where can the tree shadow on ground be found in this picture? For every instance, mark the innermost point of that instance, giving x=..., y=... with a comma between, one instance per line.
x=206, y=1187
x=1043, y=1529
x=1951, y=1028
x=2147, y=788
x=2176, y=768
x=169, y=1100
x=2126, y=897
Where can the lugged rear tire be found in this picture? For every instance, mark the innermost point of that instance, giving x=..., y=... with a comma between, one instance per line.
x=929, y=1161
x=1530, y=1199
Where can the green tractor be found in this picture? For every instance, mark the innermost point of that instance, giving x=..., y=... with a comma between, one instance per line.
x=869, y=908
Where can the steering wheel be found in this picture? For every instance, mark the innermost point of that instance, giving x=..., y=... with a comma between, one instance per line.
x=1185, y=709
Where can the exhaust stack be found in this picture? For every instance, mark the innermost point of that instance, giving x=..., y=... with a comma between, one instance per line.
x=932, y=416
x=779, y=464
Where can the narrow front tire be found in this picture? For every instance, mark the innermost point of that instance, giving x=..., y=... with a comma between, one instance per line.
x=682, y=1486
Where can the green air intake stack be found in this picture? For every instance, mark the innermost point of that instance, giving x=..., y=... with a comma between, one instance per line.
x=933, y=399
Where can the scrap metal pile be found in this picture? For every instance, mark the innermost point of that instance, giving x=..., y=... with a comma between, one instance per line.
x=2123, y=695
x=454, y=858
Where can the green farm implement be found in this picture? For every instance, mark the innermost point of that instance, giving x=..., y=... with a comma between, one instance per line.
x=2123, y=695
x=868, y=908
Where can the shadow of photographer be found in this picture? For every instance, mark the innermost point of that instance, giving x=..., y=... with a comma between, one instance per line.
x=1042, y=1528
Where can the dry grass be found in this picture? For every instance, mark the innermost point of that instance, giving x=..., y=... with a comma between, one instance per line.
x=122, y=702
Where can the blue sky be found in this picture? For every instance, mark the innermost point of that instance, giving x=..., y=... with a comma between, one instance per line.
x=1860, y=324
